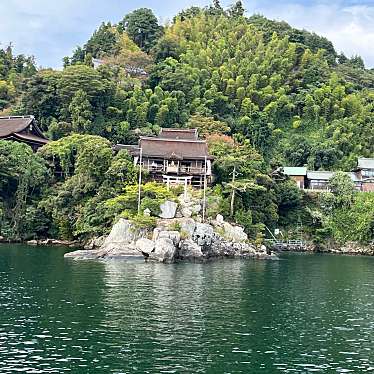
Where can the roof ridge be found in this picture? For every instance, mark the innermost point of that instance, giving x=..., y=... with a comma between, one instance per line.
x=173, y=140
x=11, y=117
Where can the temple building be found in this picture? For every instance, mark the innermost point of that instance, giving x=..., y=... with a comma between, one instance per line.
x=22, y=129
x=175, y=156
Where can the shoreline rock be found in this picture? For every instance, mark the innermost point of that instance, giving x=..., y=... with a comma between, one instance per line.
x=194, y=241
x=350, y=248
x=55, y=242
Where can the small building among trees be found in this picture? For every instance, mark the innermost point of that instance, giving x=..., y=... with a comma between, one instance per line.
x=362, y=176
x=22, y=129
x=365, y=169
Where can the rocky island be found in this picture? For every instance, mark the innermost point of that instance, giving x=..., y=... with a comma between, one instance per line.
x=176, y=237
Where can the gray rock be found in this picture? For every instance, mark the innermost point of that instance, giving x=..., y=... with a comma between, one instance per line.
x=145, y=245
x=186, y=212
x=121, y=240
x=32, y=242
x=156, y=233
x=165, y=251
x=82, y=255
x=95, y=243
x=234, y=233
x=174, y=236
x=188, y=226
x=189, y=250
x=203, y=234
x=196, y=209
x=168, y=209
x=219, y=219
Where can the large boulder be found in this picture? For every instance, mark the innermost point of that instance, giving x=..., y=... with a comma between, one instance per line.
x=203, y=234
x=168, y=209
x=165, y=251
x=145, y=246
x=95, y=243
x=121, y=240
x=189, y=250
x=234, y=233
x=186, y=212
x=174, y=236
x=188, y=226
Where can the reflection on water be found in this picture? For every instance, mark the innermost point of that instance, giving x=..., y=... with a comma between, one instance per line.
x=305, y=313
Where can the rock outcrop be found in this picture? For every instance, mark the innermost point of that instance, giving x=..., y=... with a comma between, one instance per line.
x=194, y=241
x=168, y=209
x=180, y=235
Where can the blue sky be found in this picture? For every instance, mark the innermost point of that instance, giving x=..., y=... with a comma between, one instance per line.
x=50, y=29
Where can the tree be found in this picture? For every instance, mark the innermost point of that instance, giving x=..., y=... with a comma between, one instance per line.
x=103, y=42
x=237, y=10
x=207, y=125
x=142, y=27
x=166, y=47
x=22, y=177
x=343, y=189
x=81, y=112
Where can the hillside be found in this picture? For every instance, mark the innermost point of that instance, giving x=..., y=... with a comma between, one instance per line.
x=281, y=95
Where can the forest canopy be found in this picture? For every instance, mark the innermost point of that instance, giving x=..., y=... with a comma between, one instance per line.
x=259, y=90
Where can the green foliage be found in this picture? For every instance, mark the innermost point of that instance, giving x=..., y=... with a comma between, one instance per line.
x=353, y=223
x=283, y=95
x=144, y=222
x=22, y=177
x=152, y=196
x=207, y=125
x=142, y=27
x=14, y=70
x=81, y=112
x=342, y=188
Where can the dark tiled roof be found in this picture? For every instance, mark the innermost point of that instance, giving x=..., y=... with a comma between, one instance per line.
x=11, y=125
x=174, y=148
x=21, y=127
x=30, y=138
x=190, y=134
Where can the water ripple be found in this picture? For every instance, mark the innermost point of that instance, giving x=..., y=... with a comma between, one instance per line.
x=303, y=314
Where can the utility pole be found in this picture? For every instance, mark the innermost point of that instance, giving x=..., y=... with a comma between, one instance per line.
x=233, y=192
x=140, y=177
x=204, y=191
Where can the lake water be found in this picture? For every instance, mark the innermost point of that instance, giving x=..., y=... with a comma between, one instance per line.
x=304, y=313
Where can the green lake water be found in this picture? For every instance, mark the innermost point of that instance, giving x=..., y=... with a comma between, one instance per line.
x=304, y=313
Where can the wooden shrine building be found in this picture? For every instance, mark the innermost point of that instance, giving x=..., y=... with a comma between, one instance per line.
x=22, y=129
x=175, y=156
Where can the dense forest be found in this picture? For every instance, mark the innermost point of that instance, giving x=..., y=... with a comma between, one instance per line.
x=262, y=93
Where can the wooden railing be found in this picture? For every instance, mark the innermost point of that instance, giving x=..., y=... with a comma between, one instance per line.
x=175, y=169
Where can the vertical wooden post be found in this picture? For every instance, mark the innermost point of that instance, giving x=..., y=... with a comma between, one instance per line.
x=140, y=178
x=233, y=193
x=204, y=192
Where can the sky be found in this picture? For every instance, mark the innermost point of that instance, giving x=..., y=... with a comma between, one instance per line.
x=51, y=29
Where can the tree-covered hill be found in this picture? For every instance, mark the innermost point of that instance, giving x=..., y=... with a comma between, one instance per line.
x=288, y=91
x=263, y=93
